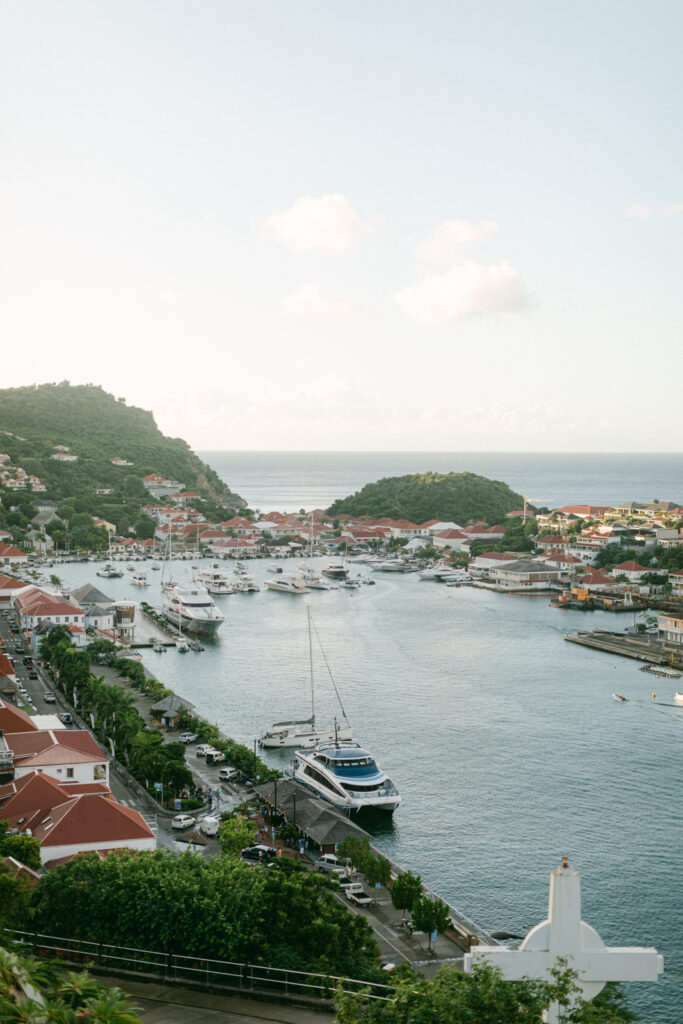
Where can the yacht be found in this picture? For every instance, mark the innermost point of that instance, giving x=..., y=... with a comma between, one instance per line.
x=140, y=578
x=390, y=565
x=214, y=579
x=109, y=572
x=245, y=585
x=274, y=568
x=314, y=581
x=288, y=585
x=303, y=733
x=239, y=569
x=345, y=775
x=190, y=607
x=336, y=571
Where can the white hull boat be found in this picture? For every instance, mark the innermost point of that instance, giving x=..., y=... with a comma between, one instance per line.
x=346, y=776
x=288, y=585
x=214, y=579
x=190, y=607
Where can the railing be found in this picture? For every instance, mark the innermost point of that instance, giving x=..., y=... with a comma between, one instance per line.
x=198, y=970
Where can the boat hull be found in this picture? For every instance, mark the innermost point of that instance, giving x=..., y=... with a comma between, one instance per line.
x=304, y=740
x=202, y=627
x=388, y=804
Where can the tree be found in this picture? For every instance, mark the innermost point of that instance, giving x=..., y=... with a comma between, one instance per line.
x=430, y=915
x=377, y=869
x=234, y=834
x=406, y=891
x=356, y=851
x=23, y=848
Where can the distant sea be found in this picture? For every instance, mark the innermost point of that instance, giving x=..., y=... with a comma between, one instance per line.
x=289, y=481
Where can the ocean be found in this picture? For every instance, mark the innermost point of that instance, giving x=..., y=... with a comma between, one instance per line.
x=289, y=481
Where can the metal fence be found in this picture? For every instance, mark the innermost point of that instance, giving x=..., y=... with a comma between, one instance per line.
x=197, y=970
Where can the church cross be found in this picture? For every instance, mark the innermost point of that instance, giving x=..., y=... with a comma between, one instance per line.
x=564, y=934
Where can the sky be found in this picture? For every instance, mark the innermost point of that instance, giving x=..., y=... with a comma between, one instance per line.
x=357, y=225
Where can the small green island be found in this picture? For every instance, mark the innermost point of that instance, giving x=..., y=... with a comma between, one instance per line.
x=423, y=496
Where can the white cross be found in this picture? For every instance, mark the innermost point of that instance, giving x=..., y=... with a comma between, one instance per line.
x=564, y=934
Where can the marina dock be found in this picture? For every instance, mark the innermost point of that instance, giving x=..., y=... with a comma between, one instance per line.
x=648, y=649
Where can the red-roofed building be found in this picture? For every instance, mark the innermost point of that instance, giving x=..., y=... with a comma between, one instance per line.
x=488, y=560
x=676, y=581
x=456, y=540
x=13, y=719
x=66, y=822
x=598, y=581
x=35, y=606
x=8, y=677
x=633, y=571
x=584, y=511
x=10, y=554
x=66, y=755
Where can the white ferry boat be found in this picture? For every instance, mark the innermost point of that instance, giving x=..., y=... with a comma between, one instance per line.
x=190, y=607
x=347, y=776
x=214, y=579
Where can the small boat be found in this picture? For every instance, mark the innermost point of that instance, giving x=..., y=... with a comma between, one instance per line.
x=274, y=568
x=182, y=646
x=350, y=584
x=159, y=648
x=678, y=697
x=195, y=645
x=109, y=572
x=619, y=696
x=156, y=568
x=140, y=578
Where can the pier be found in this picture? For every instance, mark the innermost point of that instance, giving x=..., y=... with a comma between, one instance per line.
x=648, y=649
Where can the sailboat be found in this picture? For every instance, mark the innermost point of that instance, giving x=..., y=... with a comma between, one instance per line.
x=303, y=733
x=170, y=583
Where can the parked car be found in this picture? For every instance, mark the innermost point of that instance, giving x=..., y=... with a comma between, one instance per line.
x=32, y=674
x=49, y=697
x=182, y=821
x=259, y=852
x=28, y=660
x=66, y=718
x=228, y=774
x=214, y=757
x=202, y=749
x=209, y=826
x=187, y=737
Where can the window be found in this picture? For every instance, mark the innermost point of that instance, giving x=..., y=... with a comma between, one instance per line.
x=69, y=773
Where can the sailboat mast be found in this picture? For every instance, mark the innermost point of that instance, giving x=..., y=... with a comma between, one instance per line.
x=310, y=657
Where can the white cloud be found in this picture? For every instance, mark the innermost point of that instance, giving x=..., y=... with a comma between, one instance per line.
x=641, y=211
x=673, y=209
x=470, y=289
x=311, y=298
x=328, y=224
x=444, y=245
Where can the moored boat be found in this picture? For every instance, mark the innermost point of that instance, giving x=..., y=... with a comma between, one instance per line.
x=191, y=608
x=346, y=776
x=288, y=585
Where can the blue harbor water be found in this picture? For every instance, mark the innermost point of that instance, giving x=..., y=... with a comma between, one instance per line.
x=502, y=738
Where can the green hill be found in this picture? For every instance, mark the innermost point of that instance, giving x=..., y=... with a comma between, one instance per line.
x=96, y=427
x=419, y=497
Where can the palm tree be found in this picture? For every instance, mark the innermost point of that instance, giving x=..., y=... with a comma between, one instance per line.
x=111, y=1006
x=74, y=989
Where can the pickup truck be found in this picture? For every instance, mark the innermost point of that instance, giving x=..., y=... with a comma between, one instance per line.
x=355, y=894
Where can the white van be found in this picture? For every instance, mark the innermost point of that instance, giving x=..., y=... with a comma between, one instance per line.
x=209, y=826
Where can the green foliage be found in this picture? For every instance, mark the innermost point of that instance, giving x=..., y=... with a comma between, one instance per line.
x=15, y=897
x=482, y=996
x=356, y=851
x=406, y=891
x=429, y=914
x=97, y=428
x=220, y=908
x=23, y=848
x=377, y=869
x=422, y=496
x=59, y=997
x=234, y=834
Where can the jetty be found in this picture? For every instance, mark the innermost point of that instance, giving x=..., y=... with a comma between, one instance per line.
x=648, y=649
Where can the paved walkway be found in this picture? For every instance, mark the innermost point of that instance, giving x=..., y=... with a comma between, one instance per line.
x=166, y=1004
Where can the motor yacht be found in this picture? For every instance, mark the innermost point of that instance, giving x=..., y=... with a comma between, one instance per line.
x=314, y=581
x=214, y=579
x=345, y=775
x=390, y=565
x=190, y=607
x=335, y=571
x=245, y=585
x=109, y=572
x=288, y=585
x=140, y=578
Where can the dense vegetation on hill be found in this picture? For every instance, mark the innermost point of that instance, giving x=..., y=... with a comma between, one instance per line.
x=457, y=497
x=97, y=427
